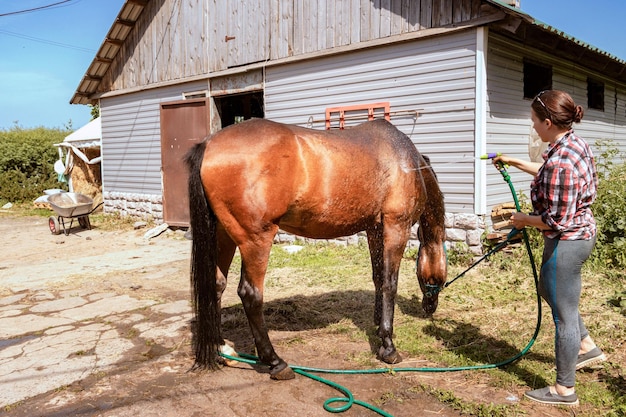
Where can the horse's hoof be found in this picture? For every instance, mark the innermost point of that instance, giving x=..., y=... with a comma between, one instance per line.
x=283, y=374
x=390, y=356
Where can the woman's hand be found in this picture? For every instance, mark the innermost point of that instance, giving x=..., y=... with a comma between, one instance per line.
x=529, y=167
x=519, y=220
x=503, y=159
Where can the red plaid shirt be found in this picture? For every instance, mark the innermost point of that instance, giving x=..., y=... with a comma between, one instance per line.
x=564, y=189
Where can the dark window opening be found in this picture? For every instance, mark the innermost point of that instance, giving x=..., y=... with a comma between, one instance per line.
x=595, y=94
x=239, y=107
x=537, y=78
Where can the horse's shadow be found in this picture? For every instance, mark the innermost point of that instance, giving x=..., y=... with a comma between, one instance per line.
x=302, y=313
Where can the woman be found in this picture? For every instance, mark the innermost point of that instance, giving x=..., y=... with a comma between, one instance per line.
x=562, y=191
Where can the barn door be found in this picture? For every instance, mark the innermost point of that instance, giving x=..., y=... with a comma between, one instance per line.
x=183, y=124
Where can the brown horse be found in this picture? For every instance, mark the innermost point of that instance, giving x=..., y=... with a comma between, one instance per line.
x=250, y=179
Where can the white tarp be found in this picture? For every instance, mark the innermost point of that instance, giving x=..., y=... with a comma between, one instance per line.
x=87, y=136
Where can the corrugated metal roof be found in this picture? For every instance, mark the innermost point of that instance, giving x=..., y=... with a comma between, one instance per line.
x=555, y=31
x=121, y=28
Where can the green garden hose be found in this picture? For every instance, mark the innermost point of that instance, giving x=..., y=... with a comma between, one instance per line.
x=349, y=399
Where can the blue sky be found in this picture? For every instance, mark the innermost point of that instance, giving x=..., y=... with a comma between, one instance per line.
x=44, y=54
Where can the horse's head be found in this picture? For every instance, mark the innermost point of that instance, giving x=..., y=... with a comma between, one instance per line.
x=432, y=268
x=431, y=274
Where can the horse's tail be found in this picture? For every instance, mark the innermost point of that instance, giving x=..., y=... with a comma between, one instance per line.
x=207, y=336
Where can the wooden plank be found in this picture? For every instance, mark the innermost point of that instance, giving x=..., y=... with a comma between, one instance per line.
x=458, y=12
x=342, y=23
x=414, y=16
x=385, y=18
x=275, y=35
x=248, y=40
x=465, y=11
x=218, y=18
x=199, y=52
x=476, y=8
x=355, y=21
x=298, y=27
x=375, y=19
x=406, y=7
x=309, y=24
x=365, y=24
x=397, y=18
x=170, y=57
x=330, y=24
x=232, y=40
x=426, y=16
x=337, y=25
x=287, y=23
x=442, y=12
x=322, y=23
x=264, y=27
x=281, y=27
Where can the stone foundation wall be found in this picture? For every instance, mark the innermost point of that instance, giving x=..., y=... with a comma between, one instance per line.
x=465, y=229
x=140, y=206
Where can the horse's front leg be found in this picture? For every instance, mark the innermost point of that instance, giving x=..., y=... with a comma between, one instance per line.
x=394, y=243
x=225, y=253
x=387, y=352
x=375, y=243
x=254, y=261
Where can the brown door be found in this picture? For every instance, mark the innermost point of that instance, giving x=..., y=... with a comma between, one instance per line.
x=183, y=124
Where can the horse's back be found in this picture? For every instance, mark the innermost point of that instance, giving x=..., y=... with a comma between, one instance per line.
x=311, y=182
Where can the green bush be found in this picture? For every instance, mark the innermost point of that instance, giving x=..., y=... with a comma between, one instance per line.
x=27, y=159
x=609, y=209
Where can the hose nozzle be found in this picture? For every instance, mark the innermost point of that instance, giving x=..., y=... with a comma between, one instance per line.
x=490, y=155
x=501, y=165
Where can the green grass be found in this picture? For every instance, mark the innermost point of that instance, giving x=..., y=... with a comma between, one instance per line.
x=486, y=317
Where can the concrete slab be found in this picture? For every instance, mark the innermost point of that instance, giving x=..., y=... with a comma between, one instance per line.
x=57, y=305
x=57, y=360
x=28, y=323
x=104, y=307
x=64, y=349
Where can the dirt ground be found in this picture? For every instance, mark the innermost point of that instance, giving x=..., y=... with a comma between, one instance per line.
x=152, y=377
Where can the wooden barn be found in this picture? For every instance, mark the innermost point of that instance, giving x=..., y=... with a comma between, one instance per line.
x=457, y=76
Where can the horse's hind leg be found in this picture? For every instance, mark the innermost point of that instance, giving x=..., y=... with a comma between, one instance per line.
x=254, y=259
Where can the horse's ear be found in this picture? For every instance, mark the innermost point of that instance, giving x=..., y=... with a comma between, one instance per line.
x=427, y=159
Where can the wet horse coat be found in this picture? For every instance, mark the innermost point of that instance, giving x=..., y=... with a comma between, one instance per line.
x=250, y=179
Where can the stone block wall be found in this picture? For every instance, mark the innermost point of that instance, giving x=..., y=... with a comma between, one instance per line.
x=464, y=229
x=140, y=206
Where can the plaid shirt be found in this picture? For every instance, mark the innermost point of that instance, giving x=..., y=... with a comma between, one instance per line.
x=564, y=189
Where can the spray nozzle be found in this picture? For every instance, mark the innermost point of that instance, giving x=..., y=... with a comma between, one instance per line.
x=492, y=155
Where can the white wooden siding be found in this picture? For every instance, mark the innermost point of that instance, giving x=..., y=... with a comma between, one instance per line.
x=131, y=139
x=508, y=120
x=435, y=76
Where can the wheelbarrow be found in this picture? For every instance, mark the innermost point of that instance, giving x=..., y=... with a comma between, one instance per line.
x=70, y=206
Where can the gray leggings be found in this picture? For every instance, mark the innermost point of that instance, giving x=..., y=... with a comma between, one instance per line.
x=560, y=285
